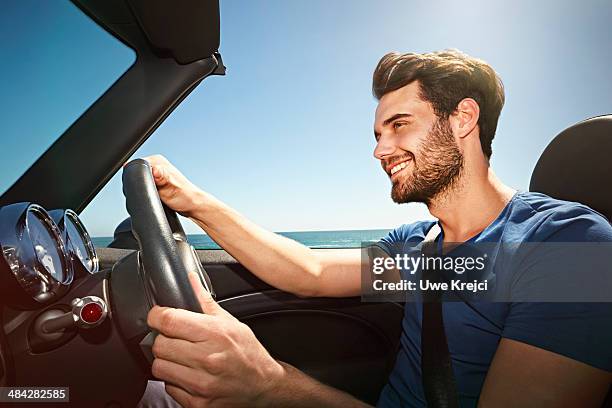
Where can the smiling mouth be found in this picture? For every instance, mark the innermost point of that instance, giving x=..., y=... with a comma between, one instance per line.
x=399, y=167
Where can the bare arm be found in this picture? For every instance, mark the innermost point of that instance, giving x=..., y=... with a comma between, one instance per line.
x=298, y=390
x=294, y=389
x=277, y=260
x=522, y=375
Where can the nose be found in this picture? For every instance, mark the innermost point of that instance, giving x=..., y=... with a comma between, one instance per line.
x=384, y=147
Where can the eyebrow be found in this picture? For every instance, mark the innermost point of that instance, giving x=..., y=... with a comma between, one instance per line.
x=391, y=119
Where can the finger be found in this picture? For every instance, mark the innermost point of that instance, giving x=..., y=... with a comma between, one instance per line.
x=157, y=169
x=181, y=396
x=208, y=304
x=156, y=172
x=184, y=352
x=182, y=324
x=191, y=380
x=159, y=175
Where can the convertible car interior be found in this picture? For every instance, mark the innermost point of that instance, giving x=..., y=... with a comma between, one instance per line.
x=75, y=316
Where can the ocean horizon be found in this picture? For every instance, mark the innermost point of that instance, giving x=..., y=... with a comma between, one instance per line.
x=312, y=239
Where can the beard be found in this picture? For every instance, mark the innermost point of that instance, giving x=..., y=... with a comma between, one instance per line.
x=437, y=165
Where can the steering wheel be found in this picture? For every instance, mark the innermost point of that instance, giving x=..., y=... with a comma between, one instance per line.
x=165, y=254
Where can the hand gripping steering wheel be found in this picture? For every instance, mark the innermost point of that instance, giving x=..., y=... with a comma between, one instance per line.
x=165, y=254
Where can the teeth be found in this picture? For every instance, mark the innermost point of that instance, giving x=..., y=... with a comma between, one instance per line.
x=398, y=167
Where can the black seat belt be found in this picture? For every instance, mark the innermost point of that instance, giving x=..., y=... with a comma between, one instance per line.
x=436, y=367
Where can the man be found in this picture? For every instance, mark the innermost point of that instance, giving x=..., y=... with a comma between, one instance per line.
x=434, y=124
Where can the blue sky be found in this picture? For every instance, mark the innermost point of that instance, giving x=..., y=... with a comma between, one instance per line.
x=286, y=136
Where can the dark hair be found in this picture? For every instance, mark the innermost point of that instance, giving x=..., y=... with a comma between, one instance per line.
x=445, y=78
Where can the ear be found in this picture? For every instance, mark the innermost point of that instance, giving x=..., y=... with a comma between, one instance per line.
x=465, y=118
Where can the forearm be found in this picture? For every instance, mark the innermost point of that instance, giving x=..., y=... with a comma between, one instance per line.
x=296, y=389
x=279, y=261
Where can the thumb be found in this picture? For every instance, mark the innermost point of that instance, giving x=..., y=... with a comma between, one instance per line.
x=208, y=304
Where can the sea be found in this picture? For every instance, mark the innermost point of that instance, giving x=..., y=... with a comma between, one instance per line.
x=312, y=239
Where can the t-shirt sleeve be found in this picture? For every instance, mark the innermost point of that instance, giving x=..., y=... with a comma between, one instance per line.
x=404, y=237
x=578, y=330
x=390, y=242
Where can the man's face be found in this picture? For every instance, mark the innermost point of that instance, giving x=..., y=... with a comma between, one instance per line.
x=416, y=149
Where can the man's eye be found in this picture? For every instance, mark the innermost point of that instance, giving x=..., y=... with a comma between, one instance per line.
x=397, y=125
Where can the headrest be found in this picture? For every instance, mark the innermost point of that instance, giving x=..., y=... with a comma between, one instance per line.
x=123, y=236
x=577, y=165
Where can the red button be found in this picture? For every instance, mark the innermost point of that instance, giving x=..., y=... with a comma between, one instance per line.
x=91, y=312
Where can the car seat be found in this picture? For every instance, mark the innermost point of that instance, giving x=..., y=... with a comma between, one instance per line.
x=577, y=166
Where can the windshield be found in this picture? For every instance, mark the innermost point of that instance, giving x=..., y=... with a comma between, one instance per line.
x=55, y=63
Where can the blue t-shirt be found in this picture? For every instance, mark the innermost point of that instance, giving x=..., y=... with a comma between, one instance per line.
x=581, y=331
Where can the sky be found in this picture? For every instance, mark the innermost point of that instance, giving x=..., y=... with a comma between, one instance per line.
x=286, y=136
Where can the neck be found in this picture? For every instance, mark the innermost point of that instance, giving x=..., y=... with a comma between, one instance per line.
x=472, y=203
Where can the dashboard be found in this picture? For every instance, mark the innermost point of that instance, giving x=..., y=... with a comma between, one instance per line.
x=42, y=253
x=57, y=329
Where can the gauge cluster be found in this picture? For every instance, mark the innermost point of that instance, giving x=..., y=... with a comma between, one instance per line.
x=42, y=253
